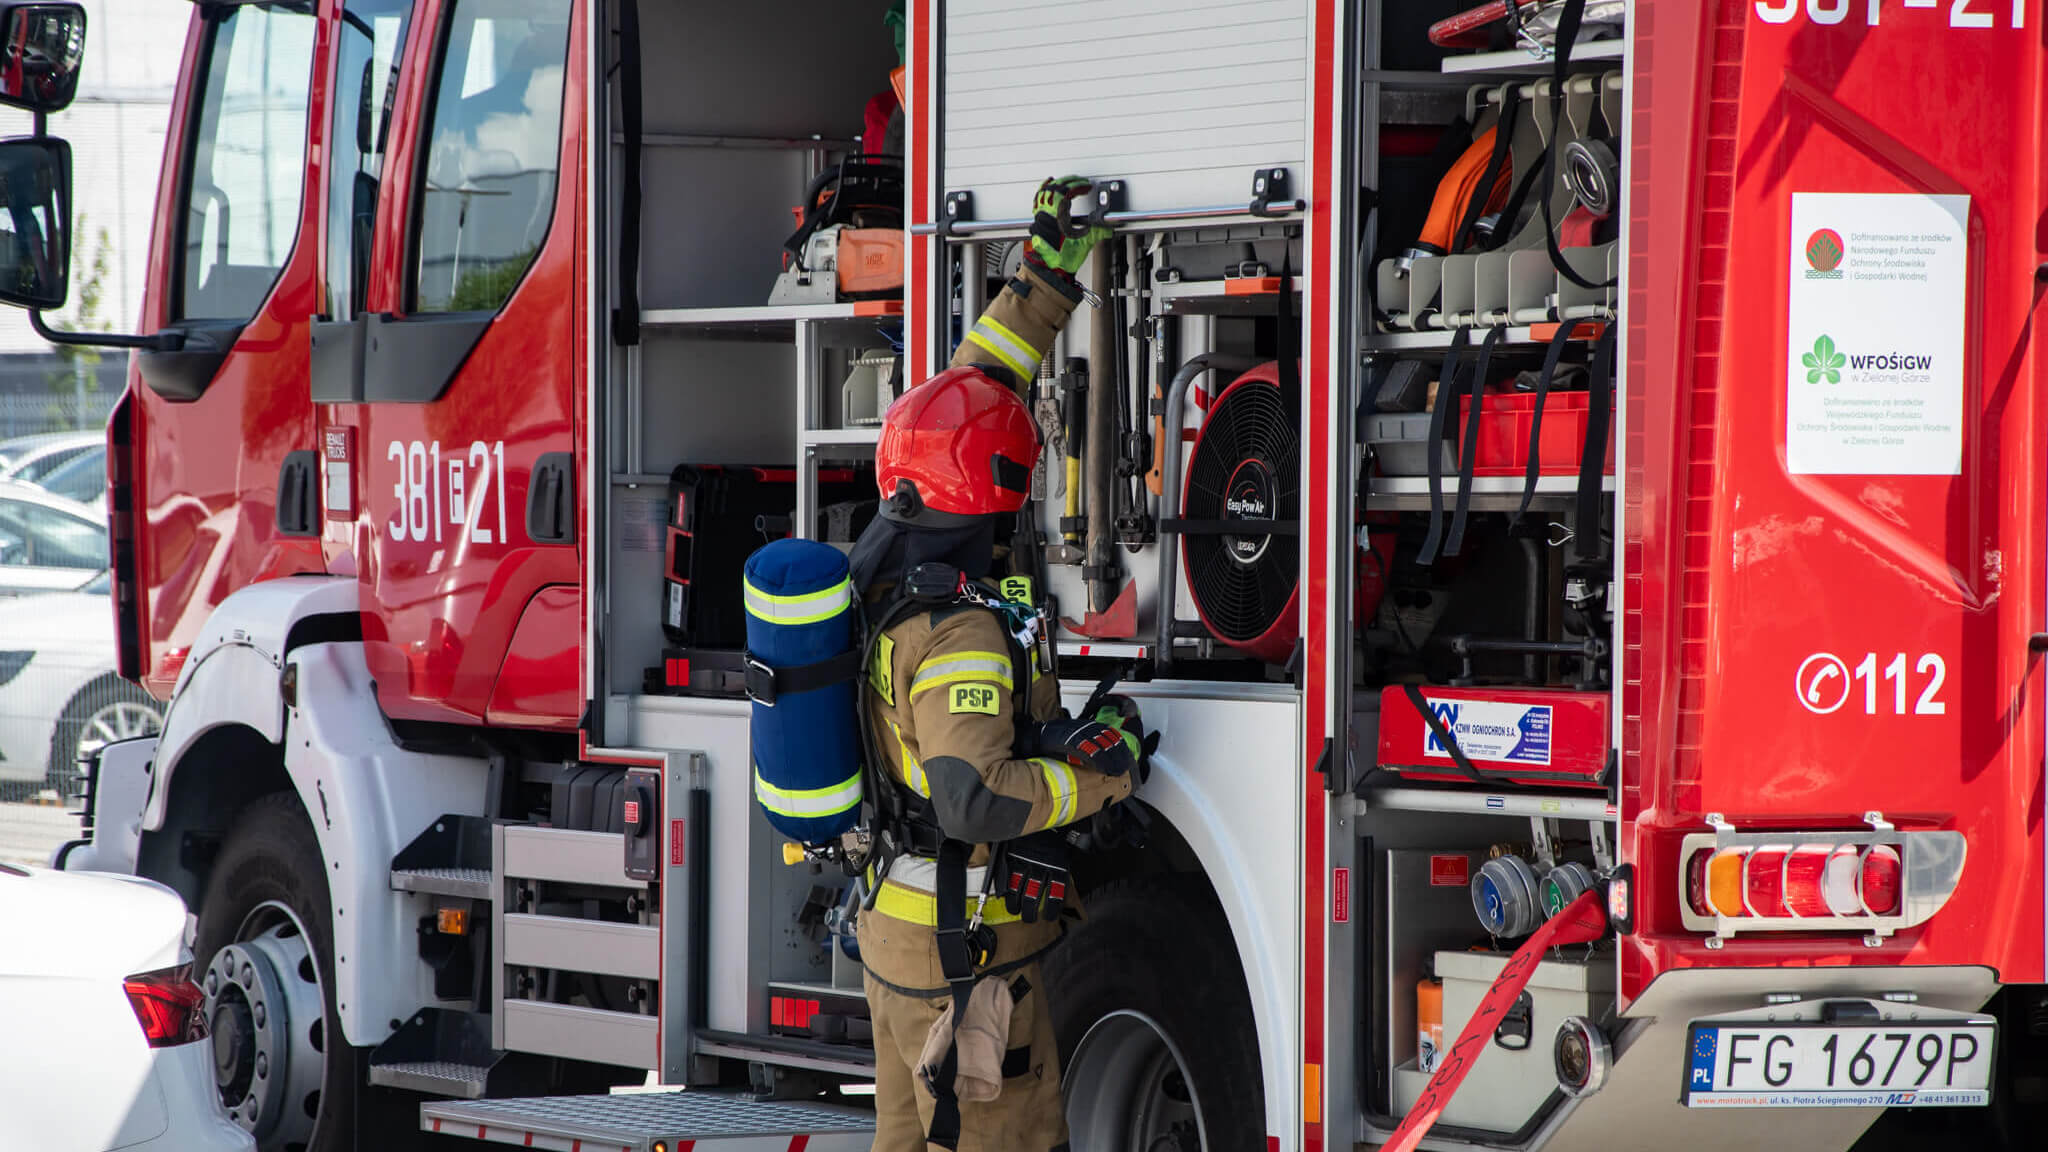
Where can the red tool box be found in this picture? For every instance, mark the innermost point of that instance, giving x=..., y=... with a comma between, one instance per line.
x=1504, y=419
x=1545, y=736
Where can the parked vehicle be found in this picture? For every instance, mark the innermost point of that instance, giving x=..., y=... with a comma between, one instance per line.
x=103, y=1028
x=27, y=459
x=82, y=479
x=60, y=697
x=47, y=543
x=460, y=397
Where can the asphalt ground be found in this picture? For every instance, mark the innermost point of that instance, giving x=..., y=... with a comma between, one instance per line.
x=30, y=832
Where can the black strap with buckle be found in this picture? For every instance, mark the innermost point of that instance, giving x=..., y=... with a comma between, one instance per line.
x=766, y=684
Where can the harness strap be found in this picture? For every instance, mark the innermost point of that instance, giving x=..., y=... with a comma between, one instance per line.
x=1561, y=57
x=766, y=684
x=1469, y=450
x=1586, y=540
x=1446, y=398
x=1503, y=141
x=956, y=964
x=1551, y=357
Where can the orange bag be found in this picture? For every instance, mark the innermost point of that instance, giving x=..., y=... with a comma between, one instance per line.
x=870, y=262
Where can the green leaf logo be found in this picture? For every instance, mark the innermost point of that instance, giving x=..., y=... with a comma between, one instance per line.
x=1823, y=363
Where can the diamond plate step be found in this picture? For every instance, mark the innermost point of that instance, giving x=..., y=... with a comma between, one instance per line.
x=474, y=883
x=436, y=1077
x=712, y=1122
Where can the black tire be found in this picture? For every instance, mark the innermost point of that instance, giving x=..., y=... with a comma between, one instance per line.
x=103, y=693
x=271, y=855
x=1159, y=946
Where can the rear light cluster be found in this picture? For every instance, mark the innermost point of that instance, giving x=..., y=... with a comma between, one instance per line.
x=1875, y=882
x=171, y=1008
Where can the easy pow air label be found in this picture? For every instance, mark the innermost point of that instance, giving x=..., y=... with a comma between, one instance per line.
x=1491, y=730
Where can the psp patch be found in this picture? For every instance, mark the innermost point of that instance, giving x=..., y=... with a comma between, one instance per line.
x=980, y=699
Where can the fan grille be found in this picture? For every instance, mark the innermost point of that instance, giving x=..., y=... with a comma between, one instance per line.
x=1246, y=466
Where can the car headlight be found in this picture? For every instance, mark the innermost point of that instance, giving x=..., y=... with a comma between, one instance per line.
x=11, y=664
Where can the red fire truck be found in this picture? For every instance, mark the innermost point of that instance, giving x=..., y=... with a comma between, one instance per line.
x=1564, y=447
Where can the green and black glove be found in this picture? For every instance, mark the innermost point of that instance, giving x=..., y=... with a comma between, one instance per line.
x=1056, y=242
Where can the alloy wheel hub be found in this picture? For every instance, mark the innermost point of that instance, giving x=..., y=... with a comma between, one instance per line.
x=1128, y=1090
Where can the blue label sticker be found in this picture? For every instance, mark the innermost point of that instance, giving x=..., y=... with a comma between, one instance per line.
x=1492, y=730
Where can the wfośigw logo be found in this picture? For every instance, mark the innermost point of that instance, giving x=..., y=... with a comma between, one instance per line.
x=1824, y=253
x=1823, y=363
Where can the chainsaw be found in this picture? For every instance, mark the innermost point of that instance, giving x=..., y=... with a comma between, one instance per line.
x=1533, y=23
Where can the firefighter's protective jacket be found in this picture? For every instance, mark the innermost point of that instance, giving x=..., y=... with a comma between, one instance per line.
x=1019, y=326
x=943, y=695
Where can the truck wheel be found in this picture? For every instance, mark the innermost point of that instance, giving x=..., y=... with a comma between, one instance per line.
x=265, y=943
x=1155, y=1025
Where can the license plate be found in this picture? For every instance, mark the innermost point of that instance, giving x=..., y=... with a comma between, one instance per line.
x=1890, y=1064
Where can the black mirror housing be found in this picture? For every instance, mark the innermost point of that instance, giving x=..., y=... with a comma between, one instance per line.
x=41, y=49
x=35, y=221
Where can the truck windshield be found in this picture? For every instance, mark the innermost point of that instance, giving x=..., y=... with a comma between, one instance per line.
x=245, y=172
x=487, y=190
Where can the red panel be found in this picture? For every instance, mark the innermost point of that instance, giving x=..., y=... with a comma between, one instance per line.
x=1559, y=737
x=207, y=517
x=1740, y=572
x=537, y=685
x=439, y=613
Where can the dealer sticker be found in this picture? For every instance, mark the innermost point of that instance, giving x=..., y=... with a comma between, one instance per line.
x=1491, y=730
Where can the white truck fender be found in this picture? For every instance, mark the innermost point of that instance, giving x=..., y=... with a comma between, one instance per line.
x=230, y=677
x=1213, y=779
x=368, y=798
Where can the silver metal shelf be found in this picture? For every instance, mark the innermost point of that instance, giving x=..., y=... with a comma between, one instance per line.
x=1464, y=801
x=1489, y=493
x=1214, y=298
x=764, y=321
x=855, y=437
x=1440, y=338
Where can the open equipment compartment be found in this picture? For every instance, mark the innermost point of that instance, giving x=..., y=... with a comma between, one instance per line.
x=725, y=398
x=1484, y=587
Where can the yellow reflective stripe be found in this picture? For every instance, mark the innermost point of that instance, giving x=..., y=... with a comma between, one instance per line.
x=1005, y=345
x=914, y=907
x=808, y=608
x=962, y=666
x=913, y=772
x=1059, y=780
x=805, y=803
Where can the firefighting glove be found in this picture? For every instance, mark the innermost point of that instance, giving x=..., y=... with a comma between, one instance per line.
x=1031, y=875
x=1056, y=243
x=1086, y=743
x=1121, y=713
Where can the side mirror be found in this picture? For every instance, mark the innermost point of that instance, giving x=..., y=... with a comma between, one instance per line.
x=35, y=221
x=41, y=46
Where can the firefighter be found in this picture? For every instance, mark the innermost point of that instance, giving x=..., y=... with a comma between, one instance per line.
x=978, y=766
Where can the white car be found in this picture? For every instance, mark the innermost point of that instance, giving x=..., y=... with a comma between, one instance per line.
x=83, y=478
x=60, y=698
x=28, y=458
x=102, y=1029
x=47, y=543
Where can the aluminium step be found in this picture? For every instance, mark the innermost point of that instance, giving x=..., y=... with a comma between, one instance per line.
x=644, y=1121
x=473, y=883
x=434, y=1077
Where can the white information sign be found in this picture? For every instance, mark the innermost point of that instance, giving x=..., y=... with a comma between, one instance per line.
x=1874, y=373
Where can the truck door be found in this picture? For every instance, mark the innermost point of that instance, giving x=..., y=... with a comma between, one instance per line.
x=204, y=433
x=450, y=357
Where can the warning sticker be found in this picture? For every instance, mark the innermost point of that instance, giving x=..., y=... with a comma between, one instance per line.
x=1875, y=314
x=1492, y=730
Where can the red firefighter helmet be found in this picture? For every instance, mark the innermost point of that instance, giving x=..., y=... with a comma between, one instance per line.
x=962, y=443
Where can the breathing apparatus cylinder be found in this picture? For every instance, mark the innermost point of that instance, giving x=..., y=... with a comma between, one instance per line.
x=802, y=673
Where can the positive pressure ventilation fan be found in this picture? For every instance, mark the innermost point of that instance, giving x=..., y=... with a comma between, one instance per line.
x=1246, y=466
